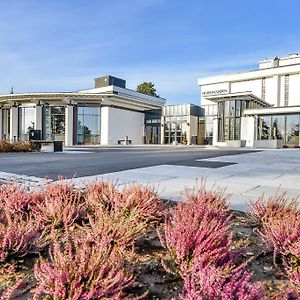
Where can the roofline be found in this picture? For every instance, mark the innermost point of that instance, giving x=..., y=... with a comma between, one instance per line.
x=252, y=74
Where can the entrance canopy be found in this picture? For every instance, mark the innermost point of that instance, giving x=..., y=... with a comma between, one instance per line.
x=238, y=96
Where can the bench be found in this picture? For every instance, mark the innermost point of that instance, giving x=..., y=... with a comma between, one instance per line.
x=37, y=145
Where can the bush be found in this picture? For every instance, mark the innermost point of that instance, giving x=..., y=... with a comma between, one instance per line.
x=140, y=199
x=218, y=283
x=78, y=270
x=199, y=227
x=17, y=236
x=7, y=146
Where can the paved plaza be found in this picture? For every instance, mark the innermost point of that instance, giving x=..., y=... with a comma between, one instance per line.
x=246, y=175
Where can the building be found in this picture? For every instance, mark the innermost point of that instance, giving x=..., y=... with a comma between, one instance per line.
x=259, y=108
x=107, y=114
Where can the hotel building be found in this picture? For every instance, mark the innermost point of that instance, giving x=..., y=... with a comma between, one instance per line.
x=259, y=108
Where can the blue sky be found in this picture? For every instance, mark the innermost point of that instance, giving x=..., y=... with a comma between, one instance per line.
x=63, y=45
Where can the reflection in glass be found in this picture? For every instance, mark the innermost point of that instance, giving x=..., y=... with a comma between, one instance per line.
x=278, y=128
x=292, y=129
x=54, y=123
x=264, y=128
x=26, y=115
x=88, y=125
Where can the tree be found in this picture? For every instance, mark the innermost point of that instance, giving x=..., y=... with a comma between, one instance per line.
x=147, y=88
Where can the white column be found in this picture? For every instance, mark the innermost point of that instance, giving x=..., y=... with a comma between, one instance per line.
x=215, y=131
x=38, y=117
x=189, y=136
x=1, y=122
x=162, y=130
x=14, y=123
x=69, y=125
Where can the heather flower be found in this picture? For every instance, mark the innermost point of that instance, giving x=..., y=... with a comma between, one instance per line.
x=220, y=283
x=277, y=206
x=79, y=270
x=141, y=199
x=194, y=229
x=17, y=236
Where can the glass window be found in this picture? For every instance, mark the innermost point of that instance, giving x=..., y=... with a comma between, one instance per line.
x=264, y=128
x=278, y=127
x=292, y=129
x=88, y=125
x=54, y=123
x=27, y=118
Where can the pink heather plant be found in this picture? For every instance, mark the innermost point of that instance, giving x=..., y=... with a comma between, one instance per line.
x=220, y=283
x=78, y=270
x=194, y=229
x=275, y=207
x=280, y=224
x=17, y=236
x=17, y=200
x=143, y=200
x=63, y=205
x=100, y=194
x=122, y=230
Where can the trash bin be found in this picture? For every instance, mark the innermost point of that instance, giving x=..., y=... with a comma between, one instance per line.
x=57, y=146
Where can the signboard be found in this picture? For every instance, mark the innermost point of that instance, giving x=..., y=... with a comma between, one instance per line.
x=215, y=92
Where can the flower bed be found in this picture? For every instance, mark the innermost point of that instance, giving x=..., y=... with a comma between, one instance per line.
x=99, y=243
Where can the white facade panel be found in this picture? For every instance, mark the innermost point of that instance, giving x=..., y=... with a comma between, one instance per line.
x=294, y=90
x=253, y=86
x=117, y=124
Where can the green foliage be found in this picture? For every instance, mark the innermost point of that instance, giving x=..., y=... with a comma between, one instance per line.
x=147, y=88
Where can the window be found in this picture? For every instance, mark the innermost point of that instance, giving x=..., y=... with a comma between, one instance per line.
x=278, y=127
x=292, y=129
x=264, y=128
x=54, y=123
x=26, y=115
x=88, y=125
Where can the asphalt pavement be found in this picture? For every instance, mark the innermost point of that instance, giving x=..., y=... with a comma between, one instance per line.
x=86, y=161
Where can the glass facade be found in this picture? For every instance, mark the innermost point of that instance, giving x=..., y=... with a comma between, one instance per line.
x=279, y=127
x=5, y=123
x=229, y=118
x=153, y=126
x=88, y=125
x=176, y=130
x=54, y=123
x=26, y=121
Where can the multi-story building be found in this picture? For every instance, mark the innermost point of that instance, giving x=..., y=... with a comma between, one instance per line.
x=259, y=108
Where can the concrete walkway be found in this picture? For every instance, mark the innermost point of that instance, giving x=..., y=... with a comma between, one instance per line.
x=251, y=175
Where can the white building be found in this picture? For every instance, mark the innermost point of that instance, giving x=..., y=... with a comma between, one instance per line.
x=259, y=108
x=106, y=114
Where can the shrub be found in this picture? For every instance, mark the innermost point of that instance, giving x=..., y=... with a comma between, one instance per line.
x=78, y=270
x=7, y=146
x=218, y=283
x=18, y=200
x=62, y=207
x=280, y=224
x=143, y=200
x=24, y=146
x=199, y=227
x=278, y=206
x=122, y=230
x=17, y=236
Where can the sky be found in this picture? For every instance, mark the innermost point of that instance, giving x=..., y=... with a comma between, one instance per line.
x=62, y=45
